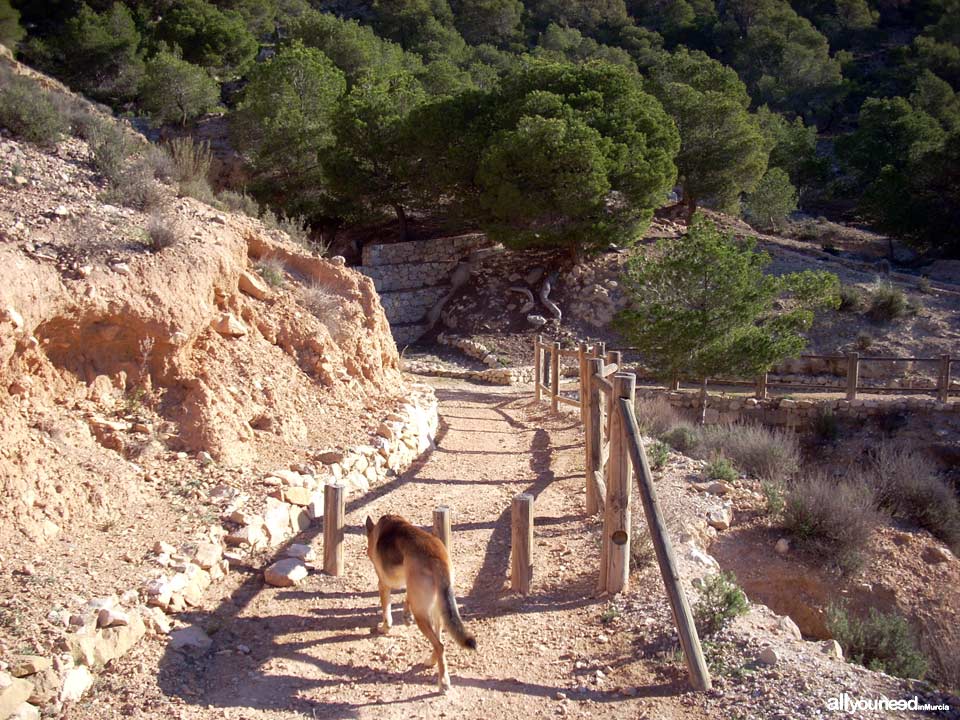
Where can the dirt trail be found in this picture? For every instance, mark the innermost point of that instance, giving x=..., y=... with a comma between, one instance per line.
x=309, y=652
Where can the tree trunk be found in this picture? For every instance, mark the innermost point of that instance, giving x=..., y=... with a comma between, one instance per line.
x=402, y=219
x=690, y=203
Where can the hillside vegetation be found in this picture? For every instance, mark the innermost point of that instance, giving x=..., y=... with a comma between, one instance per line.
x=543, y=122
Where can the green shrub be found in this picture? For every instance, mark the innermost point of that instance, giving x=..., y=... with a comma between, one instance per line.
x=721, y=600
x=720, y=468
x=924, y=286
x=683, y=438
x=272, y=271
x=906, y=484
x=162, y=231
x=826, y=427
x=197, y=188
x=773, y=493
x=831, y=518
x=773, y=199
x=239, y=202
x=111, y=149
x=27, y=111
x=657, y=454
x=656, y=416
x=158, y=161
x=851, y=299
x=888, y=303
x=881, y=641
x=767, y=454
x=863, y=341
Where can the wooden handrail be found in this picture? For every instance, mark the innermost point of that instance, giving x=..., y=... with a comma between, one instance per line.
x=689, y=639
x=604, y=384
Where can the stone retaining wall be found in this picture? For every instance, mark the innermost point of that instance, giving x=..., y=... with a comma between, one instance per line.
x=410, y=306
x=422, y=251
x=409, y=276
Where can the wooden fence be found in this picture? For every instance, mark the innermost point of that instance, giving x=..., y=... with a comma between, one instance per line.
x=614, y=452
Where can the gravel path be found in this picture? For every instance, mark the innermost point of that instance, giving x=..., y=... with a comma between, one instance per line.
x=308, y=651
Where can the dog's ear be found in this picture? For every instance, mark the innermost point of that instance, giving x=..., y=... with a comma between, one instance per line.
x=369, y=525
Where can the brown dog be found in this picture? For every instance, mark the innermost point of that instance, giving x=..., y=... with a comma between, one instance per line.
x=406, y=556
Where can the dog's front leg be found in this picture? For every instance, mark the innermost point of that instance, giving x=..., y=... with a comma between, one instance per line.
x=384, y=627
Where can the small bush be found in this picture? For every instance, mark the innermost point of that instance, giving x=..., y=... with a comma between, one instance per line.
x=199, y=189
x=239, y=202
x=111, y=148
x=923, y=285
x=320, y=301
x=158, y=161
x=906, y=485
x=851, y=299
x=881, y=641
x=830, y=248
x=683, y=438
x=773, y=493
x=832, y=519
x=27, y=111
x=720, y=468
x=641, y=544
x=656, y=416
x=162, y=232
x=272, y=271
x=721, y=600
x=888, y=303
x=191, y=159
x=863, y=341
x=134, y=187
x=826, y=427
x=657, y=454
x=756, y=450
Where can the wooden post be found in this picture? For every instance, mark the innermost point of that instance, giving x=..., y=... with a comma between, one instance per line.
x=584, y=384
x=537, y=371
x=600, y=350
x=521, y=543
x=554, y=376
x=333, y=513
x=853, y=374
x=944, y=386
x=675, y=382
x=761, y=387
x=689, y=640
x=441, y=524
x=613, y=358
x=615, y=570
x=593, y=437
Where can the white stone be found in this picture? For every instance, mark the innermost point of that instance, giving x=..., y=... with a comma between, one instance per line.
x=831, y=648
x=190, y=639
x=110, y=617
x=75, y=683
x=229, y=326
x=285, y=573
x=782, y=547
x=299, y=551
x=719, y=519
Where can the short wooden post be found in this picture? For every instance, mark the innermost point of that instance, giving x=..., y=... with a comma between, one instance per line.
x=600, y=350
x=853, y=374
x=675, y=382
x=555, y=376
x=441, y=524
x=537, y=371
x=334, y=496
x=584, y=385
x=761, y=387
x=521, y=543
x=689, y=640
x=615, y=570
x=592, y=436
x=943, y=388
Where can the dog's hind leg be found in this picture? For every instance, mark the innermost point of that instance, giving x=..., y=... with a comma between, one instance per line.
x=384, y=627
x=426, y=627
x=407, y=612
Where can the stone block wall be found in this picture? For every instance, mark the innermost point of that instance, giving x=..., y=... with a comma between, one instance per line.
x=411, y=277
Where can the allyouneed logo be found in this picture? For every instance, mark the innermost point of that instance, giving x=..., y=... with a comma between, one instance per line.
x=844, y=703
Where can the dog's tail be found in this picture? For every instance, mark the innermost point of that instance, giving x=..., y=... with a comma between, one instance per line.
x=452, y=619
